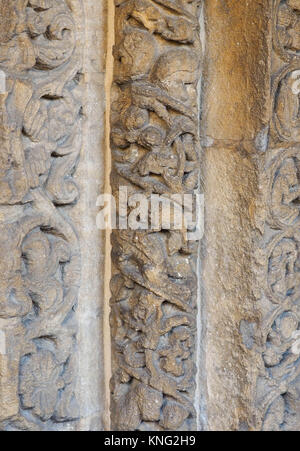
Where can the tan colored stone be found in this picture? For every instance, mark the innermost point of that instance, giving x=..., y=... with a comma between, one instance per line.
x=251, y=176
x=155, y=150
x=237, y=73
x=232, y=366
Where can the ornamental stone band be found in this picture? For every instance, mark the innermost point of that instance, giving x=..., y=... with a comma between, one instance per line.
x=149, y=215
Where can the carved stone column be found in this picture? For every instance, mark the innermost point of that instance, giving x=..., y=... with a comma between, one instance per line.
x=40, y=134
x=278, y=385
x=251, y=279
x=234, y=129
x=229, y=362
x=155, y=150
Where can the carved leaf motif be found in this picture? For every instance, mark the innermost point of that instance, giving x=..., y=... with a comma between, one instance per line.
x=37, y=164
x=40, y=258
x=155, y=150
x=284, y=270
x=288, y=23
x=40, y=384
x=276, y=394
x=53, y=33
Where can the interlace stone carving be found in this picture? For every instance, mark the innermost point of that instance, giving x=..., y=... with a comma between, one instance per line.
x=278, y=398
x=40, y=130
x=155, y=148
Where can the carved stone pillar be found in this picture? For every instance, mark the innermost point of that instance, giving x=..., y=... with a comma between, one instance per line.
x=40, y=134
x=155, y=151
x=234, y=129
x=278, y=384
x=207, y=343
x=250, y=133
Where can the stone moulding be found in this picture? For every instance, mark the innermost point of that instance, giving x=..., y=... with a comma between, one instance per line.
x=40, y=131
x=155, y=150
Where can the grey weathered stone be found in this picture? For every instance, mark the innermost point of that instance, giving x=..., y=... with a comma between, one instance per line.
x=206, y=343
x=41, y=119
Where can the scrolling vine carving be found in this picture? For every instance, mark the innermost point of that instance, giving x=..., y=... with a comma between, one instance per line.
x=155, y=148
x=279, y=381
x=40, y=122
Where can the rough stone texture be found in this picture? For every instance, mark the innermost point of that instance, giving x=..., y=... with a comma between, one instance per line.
x=40, y=256
x=90, y=179
x=278, y=384
x=238, y=36
x=234, y=132
x=251, y=256
x=53, y=299
x=155, y=150
x=51, y=100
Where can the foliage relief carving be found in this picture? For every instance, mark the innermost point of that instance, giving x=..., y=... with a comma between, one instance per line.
x=155, y=147
x=278, y=394
x=40, y=129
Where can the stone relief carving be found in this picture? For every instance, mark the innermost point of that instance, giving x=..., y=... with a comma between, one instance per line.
x=286, y=117
x=278, y=394
x=40, y=129
x=280, y=332
x=155, y=148
x=287, y=28
x=285, y=190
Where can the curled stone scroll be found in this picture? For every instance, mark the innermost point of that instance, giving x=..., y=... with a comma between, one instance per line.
x=40, y=129
x=278, y=386
x=155, y=150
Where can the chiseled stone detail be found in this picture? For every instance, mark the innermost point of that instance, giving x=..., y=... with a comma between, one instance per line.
x=40, y=130
x=287, y=28
x=278, y=388
x=155, y=149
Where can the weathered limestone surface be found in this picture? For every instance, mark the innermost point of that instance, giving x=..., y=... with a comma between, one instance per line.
x=155, y=150
x=225, y=360
x=278, y=385
x=47, y=211
x=251, y=252
x=40, y=256
x=234, y=130
x=89, y=176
